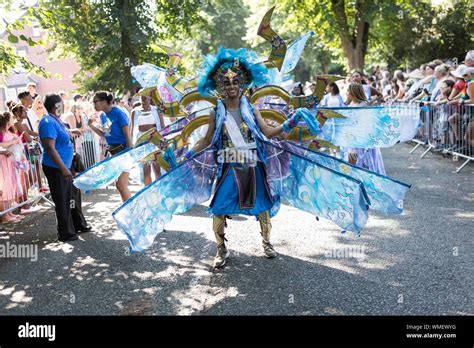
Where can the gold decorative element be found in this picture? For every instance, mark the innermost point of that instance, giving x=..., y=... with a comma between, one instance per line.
x=230, y=74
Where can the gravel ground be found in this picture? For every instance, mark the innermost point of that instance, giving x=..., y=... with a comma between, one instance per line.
x=420, y=263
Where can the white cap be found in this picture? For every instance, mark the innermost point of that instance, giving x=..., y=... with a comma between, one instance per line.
x=469, y=55
x=465, y=70
x=457, y=72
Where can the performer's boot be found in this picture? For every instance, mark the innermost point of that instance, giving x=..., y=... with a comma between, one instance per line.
x=219, y=224
x=266, y=227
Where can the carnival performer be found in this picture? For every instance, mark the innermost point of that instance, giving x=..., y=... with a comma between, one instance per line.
x=242, y=188
x=366, y=158
x=115, y=129
x=147, y=117
x=245, y=169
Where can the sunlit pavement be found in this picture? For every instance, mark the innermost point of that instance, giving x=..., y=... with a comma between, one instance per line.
x=418, y=263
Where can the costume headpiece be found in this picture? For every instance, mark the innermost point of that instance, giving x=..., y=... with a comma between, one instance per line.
x=230, y=64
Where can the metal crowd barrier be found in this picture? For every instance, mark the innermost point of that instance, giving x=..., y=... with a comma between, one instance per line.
x=90, y=147
x=22, y=181
x=447, y=129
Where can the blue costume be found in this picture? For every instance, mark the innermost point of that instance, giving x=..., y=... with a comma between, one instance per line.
x=269, y=171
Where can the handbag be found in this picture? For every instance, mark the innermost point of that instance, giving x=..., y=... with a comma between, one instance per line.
x=115, y=149
x=77, y=163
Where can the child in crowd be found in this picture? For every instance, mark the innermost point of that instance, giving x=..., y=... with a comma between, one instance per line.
x=10, y=160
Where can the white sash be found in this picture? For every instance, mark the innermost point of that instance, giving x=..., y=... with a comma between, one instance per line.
x=243, y=148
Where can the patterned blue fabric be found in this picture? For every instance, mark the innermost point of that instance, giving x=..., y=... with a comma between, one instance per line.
x=314, y=188
x=149, y=75
x=106, y=172
x=377, y=126
x=144, y=215
x=303, y=183
x=385, y=194
x=294, y=52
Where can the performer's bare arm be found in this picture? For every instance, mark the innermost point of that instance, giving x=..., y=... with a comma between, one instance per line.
x=206, y=141
x=269, y=131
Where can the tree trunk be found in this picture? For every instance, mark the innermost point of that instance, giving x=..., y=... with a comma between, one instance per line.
x=355, y=43
x=129, y=58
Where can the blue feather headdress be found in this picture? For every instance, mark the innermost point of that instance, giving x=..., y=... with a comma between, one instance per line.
x=241, y=62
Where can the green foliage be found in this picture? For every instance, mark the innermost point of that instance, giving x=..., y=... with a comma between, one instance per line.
x=400, y=32
x=9, y=59
x=107, y=37
x=221, y=22
x=423, y=33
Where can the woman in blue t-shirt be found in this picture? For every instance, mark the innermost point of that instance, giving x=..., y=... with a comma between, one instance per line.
x=57, y=163
x=114, y=127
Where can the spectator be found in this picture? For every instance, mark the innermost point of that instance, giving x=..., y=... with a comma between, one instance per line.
x=469, y=60
x=38, y=108
x=414, y=85
x=32, y=147
x=459, y=123
x=297, y=90
x=31, y=120
x=356, y=95
x=332, y=98
x=384, y=82
x=77, y=98
x=367, y=158
x=428, y=83
x=10, y=188
x=31, y=86
x=460, y=84
x=377, y=73
x=64, y=96
x=122, y=104
x=57, y=163
x=440, y=123
x=75, y=118
x=76, y=123
x=126, y=102
x=66, y=102
x=394, y=90
x=371, y=93
x=440, y=74
x=116, y=131
x=400, y=76
x=446, y=89
x=20, y=114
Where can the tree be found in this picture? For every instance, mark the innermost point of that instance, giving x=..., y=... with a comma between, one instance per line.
x=344, y=27
x=222, y=22
x=108, y=37
x=9, y=59
x=398, y=32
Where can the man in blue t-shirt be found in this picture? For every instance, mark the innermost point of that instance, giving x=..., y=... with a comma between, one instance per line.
x=57, y=162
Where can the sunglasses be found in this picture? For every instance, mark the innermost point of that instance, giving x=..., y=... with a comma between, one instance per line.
x=96, y=101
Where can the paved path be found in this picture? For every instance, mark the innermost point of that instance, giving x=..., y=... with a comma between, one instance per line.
x=418, y=263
